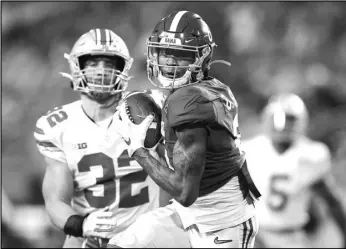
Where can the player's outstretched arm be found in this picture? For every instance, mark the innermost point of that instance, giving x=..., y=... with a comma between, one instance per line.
x=188, y=163
x=57, y=191
x=325, y=189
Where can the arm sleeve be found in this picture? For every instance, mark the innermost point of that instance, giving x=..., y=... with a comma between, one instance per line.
x=47, y=140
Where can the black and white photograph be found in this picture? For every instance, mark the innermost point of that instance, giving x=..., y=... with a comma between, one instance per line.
x=173, y=124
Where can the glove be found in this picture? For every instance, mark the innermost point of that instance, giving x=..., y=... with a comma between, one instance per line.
x=134, y=135
x=100, y=223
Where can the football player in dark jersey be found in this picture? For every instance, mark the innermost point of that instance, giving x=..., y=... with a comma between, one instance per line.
x=205, y=171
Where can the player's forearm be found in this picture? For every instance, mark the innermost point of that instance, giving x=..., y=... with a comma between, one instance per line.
x=169, y=180
x=325, y=189
x=57, y=190
x=59, y=212
x=339, y=216
x=164, y=198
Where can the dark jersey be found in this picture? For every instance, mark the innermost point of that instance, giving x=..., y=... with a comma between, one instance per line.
x=211, y=104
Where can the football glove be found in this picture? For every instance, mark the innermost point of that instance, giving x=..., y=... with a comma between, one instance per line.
x=134, y=135
x=100, y=223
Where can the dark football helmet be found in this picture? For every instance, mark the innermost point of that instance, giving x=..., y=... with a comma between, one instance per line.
x=181, y=33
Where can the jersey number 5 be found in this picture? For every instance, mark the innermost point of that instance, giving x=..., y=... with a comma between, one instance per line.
x=277, y=199
x=107, y=180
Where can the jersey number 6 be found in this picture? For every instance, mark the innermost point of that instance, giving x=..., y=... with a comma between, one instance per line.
x=126, y=200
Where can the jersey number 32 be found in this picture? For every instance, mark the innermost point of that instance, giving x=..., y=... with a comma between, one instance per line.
x=126, y=200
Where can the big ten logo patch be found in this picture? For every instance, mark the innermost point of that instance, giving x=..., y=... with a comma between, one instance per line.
x=79, y=146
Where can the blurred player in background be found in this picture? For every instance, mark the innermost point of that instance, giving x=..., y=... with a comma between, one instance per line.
x=289, y=168
x=91, y=187
x=11, y=232
x=205, y=172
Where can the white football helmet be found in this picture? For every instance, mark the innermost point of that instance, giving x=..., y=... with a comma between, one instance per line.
x=99, y=42
x=285, y=117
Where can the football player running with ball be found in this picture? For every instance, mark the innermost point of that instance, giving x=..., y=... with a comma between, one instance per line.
x=205, y=170
x=92, y=189
x=289, y=169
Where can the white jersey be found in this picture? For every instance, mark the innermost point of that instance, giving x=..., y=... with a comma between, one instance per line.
x=103, y=173
x=285, y=180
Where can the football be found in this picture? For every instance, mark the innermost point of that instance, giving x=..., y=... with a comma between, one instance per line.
x=138, y=106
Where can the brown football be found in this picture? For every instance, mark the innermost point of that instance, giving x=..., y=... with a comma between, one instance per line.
x=138, y=106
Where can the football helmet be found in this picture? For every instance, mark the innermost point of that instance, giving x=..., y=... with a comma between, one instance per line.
x=180, y=32
x=285, y=118
x=106, y=80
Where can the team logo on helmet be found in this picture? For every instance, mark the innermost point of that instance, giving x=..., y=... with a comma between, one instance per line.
x=182, y=34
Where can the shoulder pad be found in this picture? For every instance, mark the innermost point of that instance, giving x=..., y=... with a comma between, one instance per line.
x=188, y=105
x=52, y=119
x=316, y=151
x=316, y=158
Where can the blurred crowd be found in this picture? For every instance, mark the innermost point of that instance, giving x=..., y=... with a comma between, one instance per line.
x=274, y=47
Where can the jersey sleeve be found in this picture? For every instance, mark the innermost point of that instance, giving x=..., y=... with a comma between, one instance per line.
x=322, y=159
x=189, y=106
x=47, y=140
x=316, y=163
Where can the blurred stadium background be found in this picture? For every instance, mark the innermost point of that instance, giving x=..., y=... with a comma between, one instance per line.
x=273, y=47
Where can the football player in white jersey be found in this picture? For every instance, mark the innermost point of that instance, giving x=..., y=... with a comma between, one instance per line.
x=11, y=232
x=289, y=168
x=92, y=189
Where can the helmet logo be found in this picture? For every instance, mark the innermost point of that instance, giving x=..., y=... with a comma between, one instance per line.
x=210, y=37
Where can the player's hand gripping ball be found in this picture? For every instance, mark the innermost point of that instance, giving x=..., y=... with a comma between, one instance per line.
x=138, y=106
